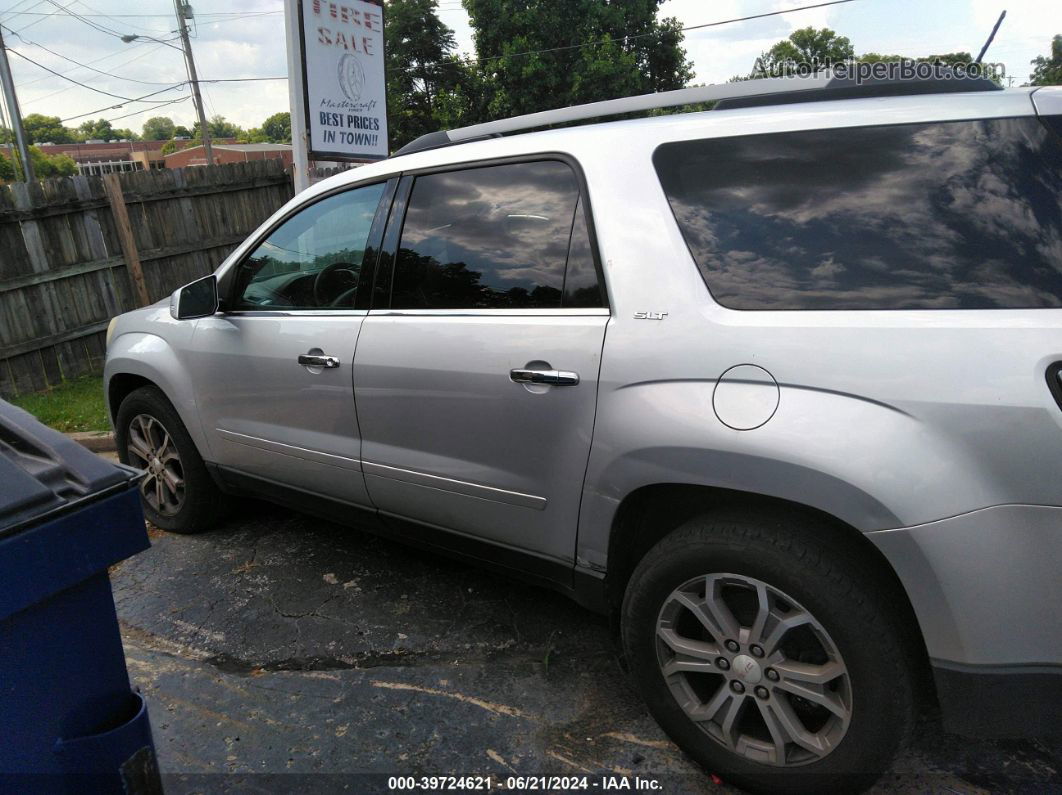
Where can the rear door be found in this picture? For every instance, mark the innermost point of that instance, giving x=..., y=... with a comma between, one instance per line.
x=477, y=367
x=273, y=372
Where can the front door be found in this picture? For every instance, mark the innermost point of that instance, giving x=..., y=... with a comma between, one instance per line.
x=273, y=371
x=476, y=382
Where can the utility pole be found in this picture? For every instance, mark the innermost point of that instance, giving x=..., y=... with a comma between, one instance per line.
x=15, y=112
x=183, y=12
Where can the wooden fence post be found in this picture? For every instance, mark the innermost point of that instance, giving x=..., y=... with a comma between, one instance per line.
x=63, y=265
x=125, y=236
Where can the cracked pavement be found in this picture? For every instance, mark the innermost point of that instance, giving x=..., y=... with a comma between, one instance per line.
x=280, y=646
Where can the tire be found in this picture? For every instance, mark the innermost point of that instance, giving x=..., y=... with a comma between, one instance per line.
x=190, y=501
x=841, y=630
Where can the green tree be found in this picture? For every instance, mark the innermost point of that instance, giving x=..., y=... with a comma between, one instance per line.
x=219, y=128
x=536, y=56
x=7, y=168
x=52, y=165
x=159, y=128
x=46, y=129
x=180, y=131
x=805, y=48
x=44, y=166
x=422, y=71
x=465, y=100
x=277, y=128
x=98, y=130
x=1047, y=71
x=948, y=59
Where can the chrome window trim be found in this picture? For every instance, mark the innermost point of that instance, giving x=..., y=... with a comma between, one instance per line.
x=297, y=313
x=558, y=312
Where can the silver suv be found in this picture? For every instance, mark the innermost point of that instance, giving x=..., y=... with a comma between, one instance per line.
x=776, y=384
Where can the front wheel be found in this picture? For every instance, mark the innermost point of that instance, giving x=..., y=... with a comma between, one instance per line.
x=177, y=493
x=767, y=656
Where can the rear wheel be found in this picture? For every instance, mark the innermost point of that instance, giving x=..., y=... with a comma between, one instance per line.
x=770, y=658
x=177, y=492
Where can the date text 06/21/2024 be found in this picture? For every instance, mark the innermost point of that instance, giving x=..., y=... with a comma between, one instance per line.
x=523, y=783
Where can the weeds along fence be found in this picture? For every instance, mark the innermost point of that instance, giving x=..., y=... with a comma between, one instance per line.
x=78, y=250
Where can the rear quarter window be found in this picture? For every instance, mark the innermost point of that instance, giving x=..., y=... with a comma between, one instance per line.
x=926, y=216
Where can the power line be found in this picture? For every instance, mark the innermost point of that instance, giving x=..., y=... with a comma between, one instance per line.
x=13, y=13
x=94, y=25
x=252, y=15
x=145, y=110
x=767, y=14
x=599, y=42
x=10, y=12
x=238, y=13
x=40, y=19
x=85, y=85
x=143, y=98
x=71, y=88
x=239, y=79
x=118, y=17
x=112, y=18
x=86, y=66
x=653, y=33
x=98, y=60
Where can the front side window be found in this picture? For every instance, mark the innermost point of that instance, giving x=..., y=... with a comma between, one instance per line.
x=495, y=237
x=313, y=260
x=963, y=215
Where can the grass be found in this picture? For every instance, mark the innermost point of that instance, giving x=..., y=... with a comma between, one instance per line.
x=75, y=405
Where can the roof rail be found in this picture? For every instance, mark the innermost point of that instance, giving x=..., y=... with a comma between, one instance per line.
x=844, y=83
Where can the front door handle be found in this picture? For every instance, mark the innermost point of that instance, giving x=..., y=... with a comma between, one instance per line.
x=316, y=360
x=551, y=377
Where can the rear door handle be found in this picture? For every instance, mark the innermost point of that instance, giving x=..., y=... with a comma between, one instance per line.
x=551, y=377
x=316, y=360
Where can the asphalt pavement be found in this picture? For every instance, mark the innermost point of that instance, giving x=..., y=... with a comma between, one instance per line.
x=295, y=654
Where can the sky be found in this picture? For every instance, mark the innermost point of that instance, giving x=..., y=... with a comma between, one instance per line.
x=245, y=38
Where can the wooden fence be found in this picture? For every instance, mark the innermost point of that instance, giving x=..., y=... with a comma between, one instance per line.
x=76, y=251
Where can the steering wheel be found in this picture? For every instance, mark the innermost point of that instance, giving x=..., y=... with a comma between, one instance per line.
x=339, y=277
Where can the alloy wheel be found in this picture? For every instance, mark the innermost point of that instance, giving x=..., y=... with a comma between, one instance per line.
x=151, y=447
x=754, y=670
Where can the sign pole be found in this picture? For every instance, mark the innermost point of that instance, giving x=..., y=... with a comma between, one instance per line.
x=300, y=165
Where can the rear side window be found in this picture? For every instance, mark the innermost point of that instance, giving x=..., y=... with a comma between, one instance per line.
x=495, y=237
x=581, y=286
x=928, y=216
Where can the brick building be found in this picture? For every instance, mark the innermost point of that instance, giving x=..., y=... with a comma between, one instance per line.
x=100, y=157
x=230, y=153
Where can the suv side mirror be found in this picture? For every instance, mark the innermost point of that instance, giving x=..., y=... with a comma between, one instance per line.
x=198, y=299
